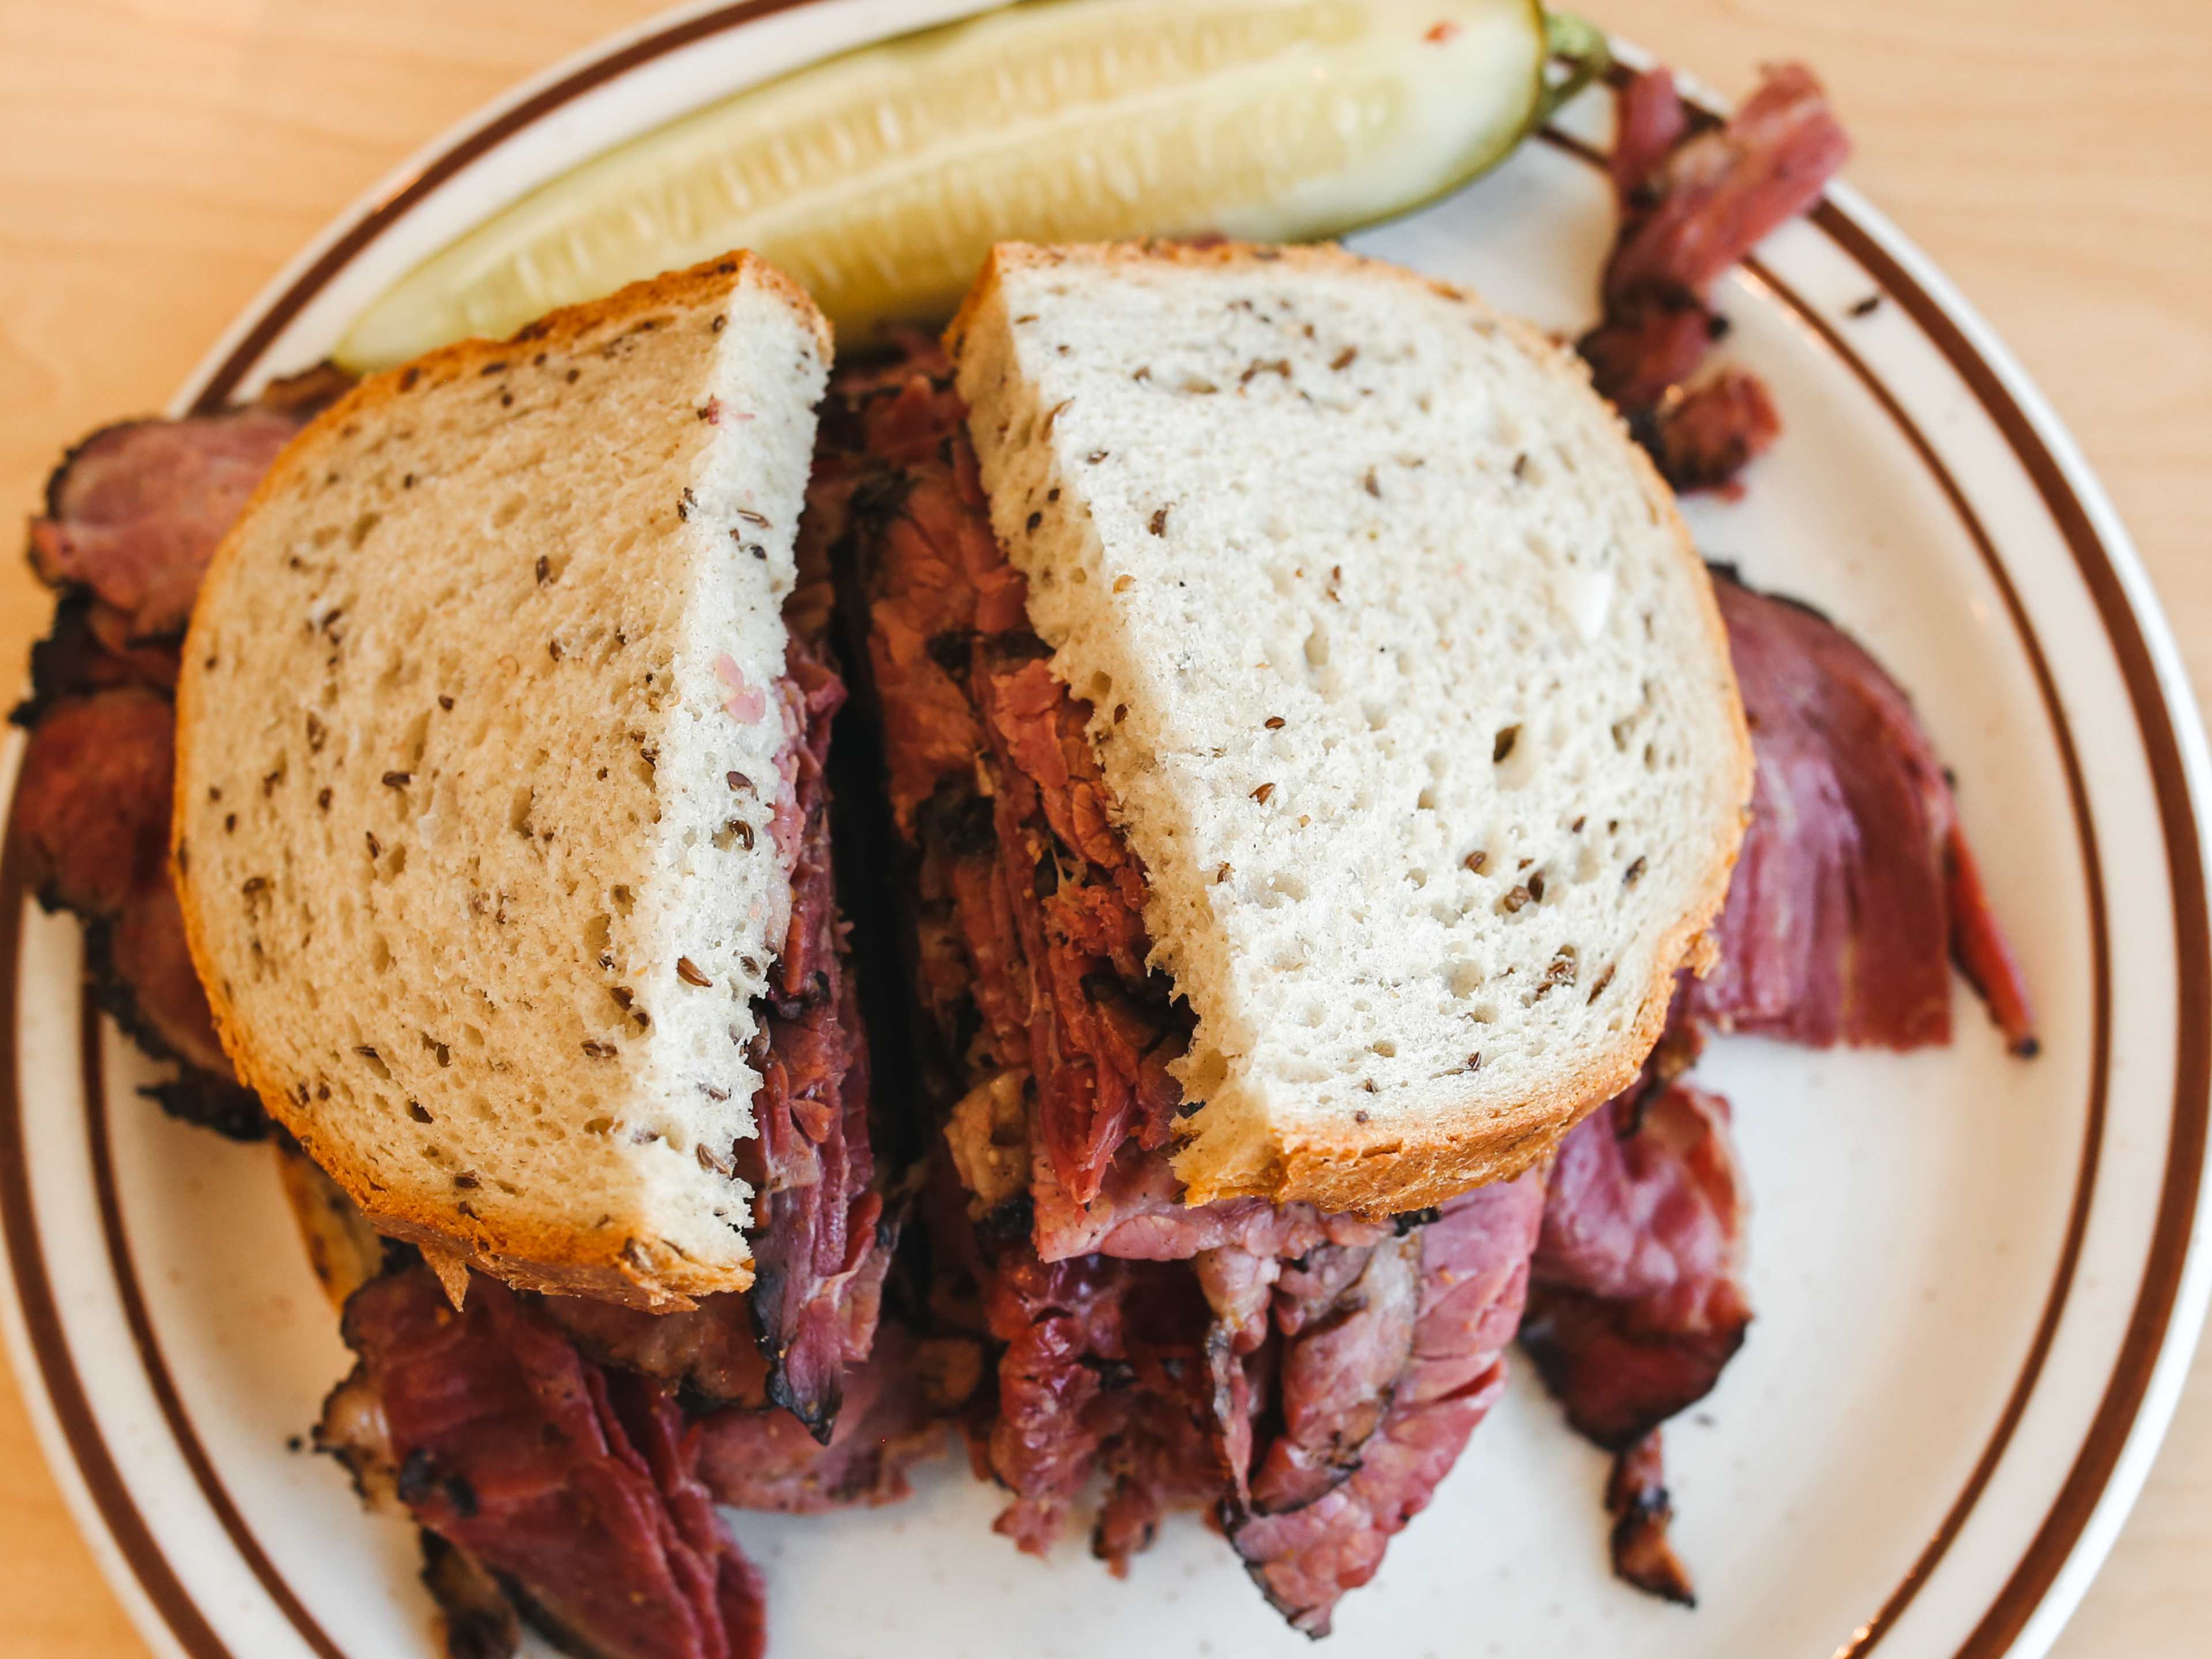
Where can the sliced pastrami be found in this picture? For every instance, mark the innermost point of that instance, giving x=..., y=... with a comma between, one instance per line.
x=1694, y=200
x=1031, y=903
x=1473, y=1278
x=1638, y=1296
x=1855, y=890
x=890, y=1419
x=135, y=511
x=820, y=1242
x=577, y=1487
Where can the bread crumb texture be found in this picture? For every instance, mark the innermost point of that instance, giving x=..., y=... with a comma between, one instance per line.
x=480, y=732
x=1407, y=678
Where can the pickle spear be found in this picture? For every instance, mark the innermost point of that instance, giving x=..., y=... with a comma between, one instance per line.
x=879, y=178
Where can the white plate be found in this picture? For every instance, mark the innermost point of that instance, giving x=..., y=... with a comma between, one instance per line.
x=1978, y=1280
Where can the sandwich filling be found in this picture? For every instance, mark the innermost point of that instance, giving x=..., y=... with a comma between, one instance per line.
x=820, y=1246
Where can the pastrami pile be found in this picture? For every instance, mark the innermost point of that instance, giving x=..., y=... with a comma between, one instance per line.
x=1306, y=1380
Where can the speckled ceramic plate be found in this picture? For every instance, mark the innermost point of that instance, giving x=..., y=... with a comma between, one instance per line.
x=1978, y=1280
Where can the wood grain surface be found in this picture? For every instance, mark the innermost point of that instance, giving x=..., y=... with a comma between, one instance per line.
x=159, y=159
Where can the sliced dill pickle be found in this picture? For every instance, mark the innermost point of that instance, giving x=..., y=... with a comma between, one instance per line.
x=879, y=179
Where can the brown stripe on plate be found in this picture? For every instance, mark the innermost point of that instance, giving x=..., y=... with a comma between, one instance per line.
x=35, y=1294
x=2153, y=1313
x=150, y=1357
x=1864, y=1639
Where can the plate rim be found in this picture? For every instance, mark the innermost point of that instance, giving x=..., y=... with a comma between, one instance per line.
x=2152, y=1362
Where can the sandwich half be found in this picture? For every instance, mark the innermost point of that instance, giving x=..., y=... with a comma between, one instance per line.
x=499, y=820
x=1316, y=756
x=1406, y=694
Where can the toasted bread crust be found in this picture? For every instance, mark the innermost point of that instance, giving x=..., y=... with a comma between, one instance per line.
x=600, y=1262
x=1379, y=1175
x=1381, y=1168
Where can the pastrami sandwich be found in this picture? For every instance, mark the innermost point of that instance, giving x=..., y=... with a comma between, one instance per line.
x=1377, y=664
x=498, y=788
x=1318, y=755
x=501, y=833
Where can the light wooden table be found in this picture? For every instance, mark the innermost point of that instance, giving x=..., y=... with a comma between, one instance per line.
x=160, y=158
